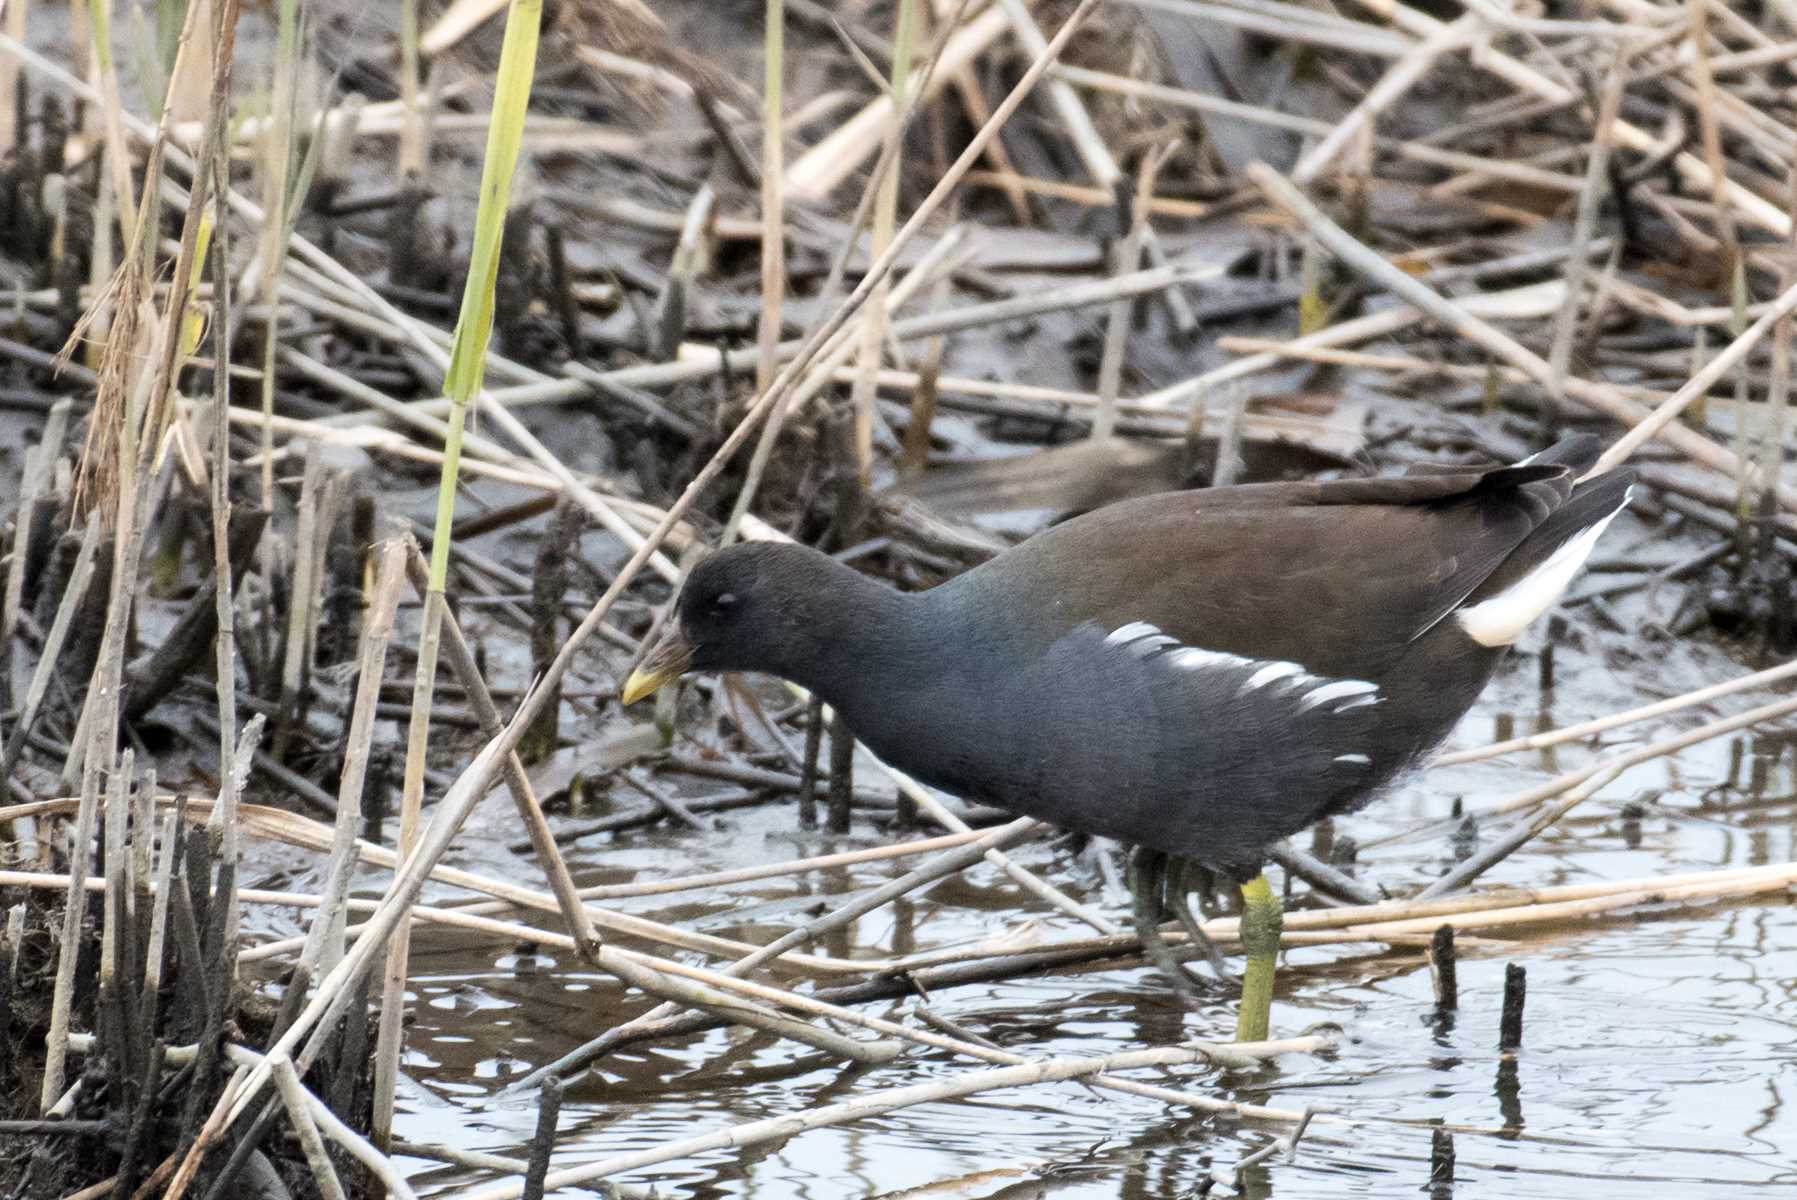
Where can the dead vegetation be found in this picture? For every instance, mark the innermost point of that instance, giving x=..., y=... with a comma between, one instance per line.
x=945, y=262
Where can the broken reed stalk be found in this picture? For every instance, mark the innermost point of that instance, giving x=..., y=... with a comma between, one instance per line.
x=324, y=943
x=34, y=482
x=74, y=908
x=1443, y=970
x=302, y=599
x=390, y=574
x=549, y=1107
x=292, y=1091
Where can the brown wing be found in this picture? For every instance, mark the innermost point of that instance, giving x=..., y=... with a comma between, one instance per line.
x=1339, y=576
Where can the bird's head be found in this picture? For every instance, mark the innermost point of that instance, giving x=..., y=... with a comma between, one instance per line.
x=755, y=606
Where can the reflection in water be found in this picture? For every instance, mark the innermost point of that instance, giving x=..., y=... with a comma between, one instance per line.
x=1632, y=812
x=1441, y=1165
x=1509, y=1094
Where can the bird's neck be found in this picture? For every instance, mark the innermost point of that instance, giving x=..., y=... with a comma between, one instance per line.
x=865, y=639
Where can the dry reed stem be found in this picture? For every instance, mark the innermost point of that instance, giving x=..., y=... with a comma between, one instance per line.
x=1303, y=927
x=1520, y=74
x=884, y=217
x=324, y=943
x=1091, y=197
x=1591, y=195
x=74, y=907
x=293, y=1095
x=1582, y=784
x=80, y=577
x=462, y=664
x=1403, y=74
x=773, y=195
x=1117, y=320
x=1605, y=398
x=818, y=171
x=1530, y=300
x=40, y=463
x=302, y=1104
x=1554, y=737
x=11, y=120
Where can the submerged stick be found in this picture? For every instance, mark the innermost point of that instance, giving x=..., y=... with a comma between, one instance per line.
x=963, y=1084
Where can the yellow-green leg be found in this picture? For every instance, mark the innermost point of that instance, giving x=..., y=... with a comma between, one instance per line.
x=1262, y=919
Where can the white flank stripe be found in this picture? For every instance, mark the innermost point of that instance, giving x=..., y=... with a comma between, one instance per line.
x=1354, y=758
x=1271, y=672
x=1129, y=633
x=1154, y=643
x=1191, y=658
x=1501, y=619
x=1340, y=690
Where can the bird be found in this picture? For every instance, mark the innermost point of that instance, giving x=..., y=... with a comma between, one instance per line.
x=1197, y=674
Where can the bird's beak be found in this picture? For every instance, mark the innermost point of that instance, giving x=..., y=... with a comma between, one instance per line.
x=672, y=655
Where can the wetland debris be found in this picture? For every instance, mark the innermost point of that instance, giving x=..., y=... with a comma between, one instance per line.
x=1655, y=290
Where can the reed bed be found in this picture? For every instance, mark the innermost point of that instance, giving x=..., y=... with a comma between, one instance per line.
x=244, y=316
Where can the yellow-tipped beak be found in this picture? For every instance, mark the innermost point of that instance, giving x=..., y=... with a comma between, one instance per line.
x=664, y=664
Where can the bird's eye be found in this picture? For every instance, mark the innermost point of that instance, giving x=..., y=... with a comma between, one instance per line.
x=725, y=600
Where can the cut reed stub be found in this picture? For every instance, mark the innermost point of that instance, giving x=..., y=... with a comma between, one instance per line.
x=1516, y=986
x=1443, y=970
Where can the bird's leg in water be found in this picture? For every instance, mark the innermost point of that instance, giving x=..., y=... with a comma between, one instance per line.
x=1262, y=919
x=1180, y=879
x=1147, y=887
x=1157, y=884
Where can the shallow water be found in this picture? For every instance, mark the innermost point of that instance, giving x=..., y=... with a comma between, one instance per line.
x=1660, y=1046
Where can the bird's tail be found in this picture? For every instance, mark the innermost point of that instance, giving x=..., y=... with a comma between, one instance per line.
x=1540, y=569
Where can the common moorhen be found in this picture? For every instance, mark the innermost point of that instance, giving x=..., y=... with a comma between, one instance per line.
x=1198, y=674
